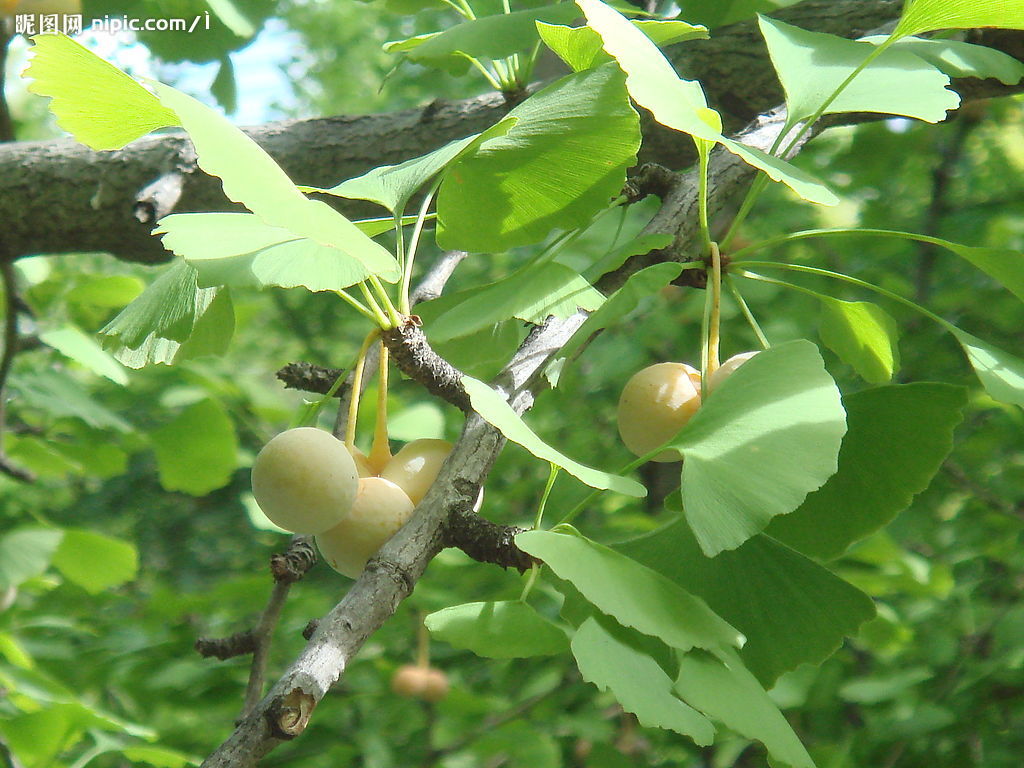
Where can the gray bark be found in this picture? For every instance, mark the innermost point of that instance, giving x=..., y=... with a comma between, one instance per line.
x=59, y=197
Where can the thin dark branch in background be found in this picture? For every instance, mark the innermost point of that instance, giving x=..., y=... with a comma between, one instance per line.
x=11, y=347
x=238, y=644
x=951, y=153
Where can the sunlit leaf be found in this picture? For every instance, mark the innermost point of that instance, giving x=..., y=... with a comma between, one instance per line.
x=896, y=439
x=863, y=335
x=95, y=562
x=636, y=681
x=196, y=451
x=927, y=15
x=93, y=100
x=811, y=65
x=531, y=294
x=167, y=307
x=251, y=177
x=681, y=104
x=493, y=408
x=726, y=691
x=492, y=37
x=1000, y=373
x=497, y=630
x=564, y=160
x=765, y=438
x=392, y=185
x=791, y=610
x=580, y=47
x=633, y=594
x=959, y=59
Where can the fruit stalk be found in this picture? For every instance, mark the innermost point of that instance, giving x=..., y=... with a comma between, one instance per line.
x=357, y=380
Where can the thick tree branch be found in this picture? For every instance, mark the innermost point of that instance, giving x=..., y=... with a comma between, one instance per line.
x=58, y=197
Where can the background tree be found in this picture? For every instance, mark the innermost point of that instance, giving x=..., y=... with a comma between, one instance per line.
x=136, y=532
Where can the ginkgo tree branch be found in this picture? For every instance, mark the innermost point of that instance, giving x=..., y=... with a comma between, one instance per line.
x=391, y=574
x=59, y=197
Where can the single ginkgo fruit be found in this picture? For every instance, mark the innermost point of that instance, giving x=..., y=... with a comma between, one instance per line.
x=655, y=404
x=416, y=682
x=414, y=468
x=380, y=509
x=305, y=480
x=726, y=369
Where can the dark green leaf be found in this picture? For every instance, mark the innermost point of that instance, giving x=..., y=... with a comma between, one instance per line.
x=564, y=159
x=196, y=452
x=896, y=439
x=791, y=610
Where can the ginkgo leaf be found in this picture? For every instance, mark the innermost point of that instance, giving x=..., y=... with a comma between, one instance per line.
x=530, y=294
x=927, y=15
x=494, y=409
x=959, y=59
x=73, y=343
x=580, y=47
x=636, y=681
x=392, y=185
x=251, y=177
x=498, y=630
x=680, y=104
x=93, y=100
x=863, y=335
x=1000, y=373
x=767, y=436
x=633, y=594
x=564, y=160
x=812, y=65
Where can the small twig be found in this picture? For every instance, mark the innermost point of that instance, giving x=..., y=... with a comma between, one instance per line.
x=433, y=283
x=487, y=542
x=311, y=378
x=238, y=644
x=415, y=357
x=649, y=179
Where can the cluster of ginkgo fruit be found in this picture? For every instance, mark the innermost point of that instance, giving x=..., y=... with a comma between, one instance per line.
x=660, y=400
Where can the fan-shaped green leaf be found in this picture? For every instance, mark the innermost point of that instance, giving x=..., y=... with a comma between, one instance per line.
x=863, y=335
x=490, y=37
x=1000, y=373
x=636, y=681
x=392, y=185
x=532, y=294
x=811, y=65
x=765, y=438
x=498, y=630
x=493, y=408
x=95, y=562
x=897, y=438
x=580, y=47
x=633, y=594
x=927, y=15
x=723, y=689
x=791, y=610
x=959, y=59
x=251, y=177
x=93, y=100
x=196, y=451
x=680, y=104
x=564, y=159
x=167, y=307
